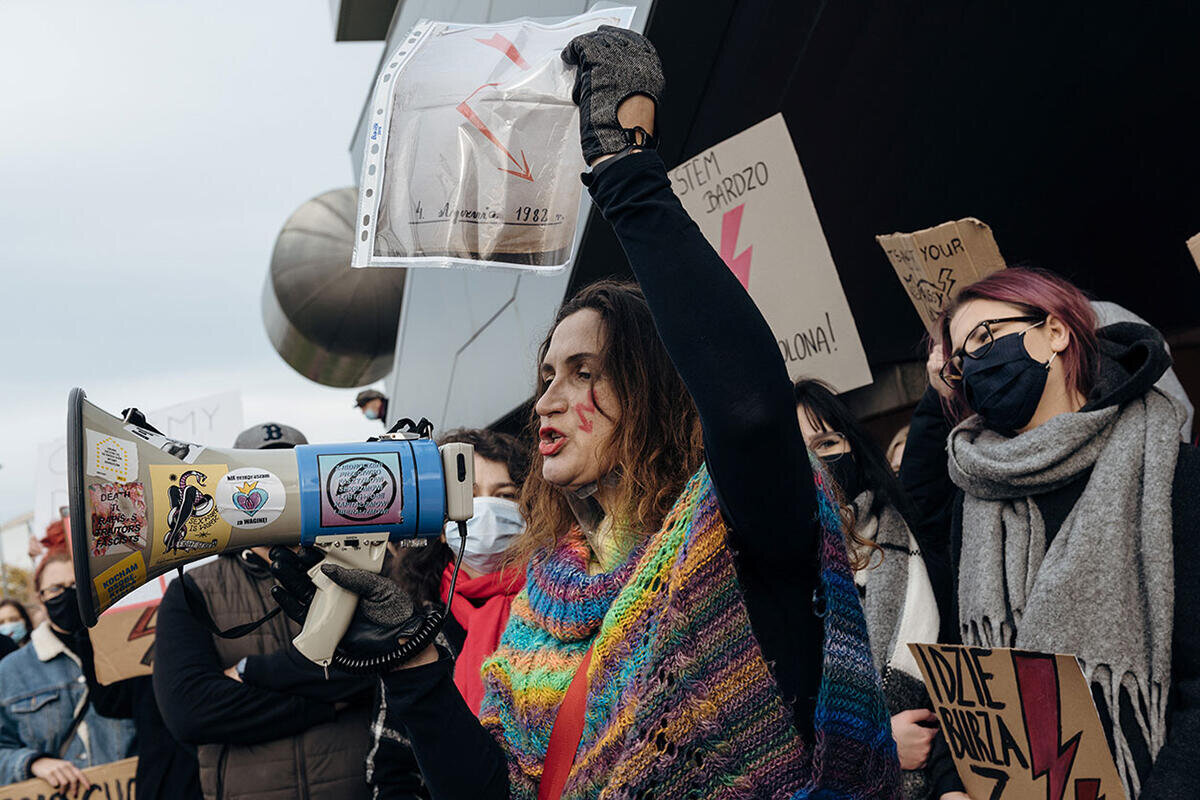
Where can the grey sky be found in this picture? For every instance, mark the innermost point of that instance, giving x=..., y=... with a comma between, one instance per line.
x=149, y=153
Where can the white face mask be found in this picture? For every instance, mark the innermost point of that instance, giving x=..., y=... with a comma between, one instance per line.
x=489, y=533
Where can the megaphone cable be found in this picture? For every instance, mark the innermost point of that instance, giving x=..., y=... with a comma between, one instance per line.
x=424, y=635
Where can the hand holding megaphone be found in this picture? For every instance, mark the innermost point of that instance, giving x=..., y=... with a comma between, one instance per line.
x=385, y=618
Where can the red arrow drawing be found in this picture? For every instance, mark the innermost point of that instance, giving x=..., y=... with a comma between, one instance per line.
x=731, y=223
x=474, y=119
x=508, y=48
x=1037, y=684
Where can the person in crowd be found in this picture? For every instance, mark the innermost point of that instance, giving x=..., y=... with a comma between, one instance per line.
x=895, y=449
x=269, y=436
x=48, y=727
x=265, y=721
x=373, y=404
x=14, y=621
x=1071, y=508
x=897, y=594
x=688, y=612
x=483, y=594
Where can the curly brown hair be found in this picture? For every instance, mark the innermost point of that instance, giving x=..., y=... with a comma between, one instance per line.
x=656, y=445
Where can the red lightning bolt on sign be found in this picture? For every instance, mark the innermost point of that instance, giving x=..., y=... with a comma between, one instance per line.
x=508, y=48
x=1037, y=683
x=474, y=119
x=731, y=223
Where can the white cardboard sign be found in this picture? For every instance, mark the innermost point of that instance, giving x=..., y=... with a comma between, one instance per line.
x=750, y=199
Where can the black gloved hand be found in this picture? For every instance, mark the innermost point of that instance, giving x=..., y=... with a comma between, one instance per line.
x=386, y=614
x=613, y=64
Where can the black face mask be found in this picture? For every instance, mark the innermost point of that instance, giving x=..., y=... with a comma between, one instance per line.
x=63, y=611
x=845, y=472
x=1005, y=386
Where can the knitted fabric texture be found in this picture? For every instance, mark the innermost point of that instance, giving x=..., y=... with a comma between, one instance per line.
x=680, y=701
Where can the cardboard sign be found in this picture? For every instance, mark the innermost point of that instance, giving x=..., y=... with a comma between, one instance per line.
x=935, y=263
x=749, y=197
x=1194, y=248
x=113, y=781
x=1019, y=724
x=123, y=639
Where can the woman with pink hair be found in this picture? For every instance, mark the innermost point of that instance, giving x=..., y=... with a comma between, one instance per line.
x=1070, y=508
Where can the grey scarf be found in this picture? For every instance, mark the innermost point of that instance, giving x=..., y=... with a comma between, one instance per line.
x=1105, y=588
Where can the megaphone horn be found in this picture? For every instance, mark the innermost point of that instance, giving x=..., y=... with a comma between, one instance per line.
x=143, y=504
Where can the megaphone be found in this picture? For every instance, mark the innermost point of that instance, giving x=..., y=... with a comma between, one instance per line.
x=143, y=503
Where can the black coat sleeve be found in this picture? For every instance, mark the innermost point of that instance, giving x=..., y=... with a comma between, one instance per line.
x=923, y=471
x=730, y=362
x=457, y=757
x=115, y=700
x=934, y=498
x=290, y=672
x=200, y=704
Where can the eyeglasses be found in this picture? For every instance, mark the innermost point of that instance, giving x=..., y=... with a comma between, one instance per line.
x=829, y=445
x=978, y=344
x=54, y=590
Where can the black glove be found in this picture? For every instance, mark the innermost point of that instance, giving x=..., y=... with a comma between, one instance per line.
x=386, y=614
x=613, y=64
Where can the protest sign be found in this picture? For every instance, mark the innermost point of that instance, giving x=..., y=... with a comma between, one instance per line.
x=1019, y=724
x=472, y=156
x=1194, y=248
x=123, y=638
x=935, y=263
x=749, y=197
x=214, y=420
x=113, y=781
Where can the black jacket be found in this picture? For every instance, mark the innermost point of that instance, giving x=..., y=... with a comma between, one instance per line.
x=1132, y=359
x=166, y=769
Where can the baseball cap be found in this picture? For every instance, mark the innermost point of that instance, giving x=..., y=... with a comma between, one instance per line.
x=366, y=396
x=269, y=436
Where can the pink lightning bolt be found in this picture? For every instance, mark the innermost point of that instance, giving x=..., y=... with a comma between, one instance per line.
x=731, y=223
x=508, y=48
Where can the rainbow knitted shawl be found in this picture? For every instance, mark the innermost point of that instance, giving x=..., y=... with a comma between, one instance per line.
x=680, y=701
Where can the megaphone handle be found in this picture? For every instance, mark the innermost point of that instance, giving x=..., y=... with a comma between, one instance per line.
x=333, y=606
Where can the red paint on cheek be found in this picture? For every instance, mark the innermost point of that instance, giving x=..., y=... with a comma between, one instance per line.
x=585, y=422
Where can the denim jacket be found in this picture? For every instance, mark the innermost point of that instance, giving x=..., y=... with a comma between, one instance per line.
x=41, y=686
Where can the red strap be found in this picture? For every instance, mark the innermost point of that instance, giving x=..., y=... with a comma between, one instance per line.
x=565, y=735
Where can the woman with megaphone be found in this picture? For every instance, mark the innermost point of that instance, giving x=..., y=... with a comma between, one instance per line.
x=689, y=625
